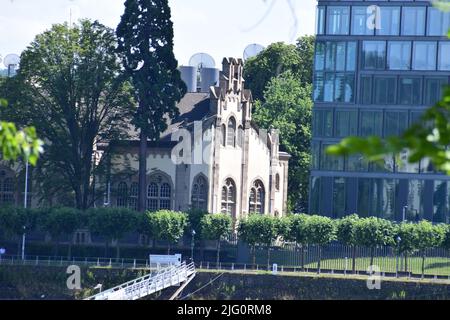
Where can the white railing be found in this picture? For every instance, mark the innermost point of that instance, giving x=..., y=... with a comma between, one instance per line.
x=149, y=284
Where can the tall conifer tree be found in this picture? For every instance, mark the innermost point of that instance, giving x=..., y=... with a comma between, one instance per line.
x=145, y=36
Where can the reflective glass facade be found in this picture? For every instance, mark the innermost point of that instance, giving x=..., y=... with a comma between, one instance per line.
x=378, y=66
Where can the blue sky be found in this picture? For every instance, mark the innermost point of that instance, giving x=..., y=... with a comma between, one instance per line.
x=218, y=27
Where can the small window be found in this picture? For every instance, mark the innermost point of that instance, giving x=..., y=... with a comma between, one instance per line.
x=277, y=182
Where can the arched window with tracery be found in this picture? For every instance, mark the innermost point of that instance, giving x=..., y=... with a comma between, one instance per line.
x=122, y=195
x=257, y=198
x=231, y=132
x=199, y=198
x=229, y=197
x=134, y=192
x=224, y=135
x=159, y=194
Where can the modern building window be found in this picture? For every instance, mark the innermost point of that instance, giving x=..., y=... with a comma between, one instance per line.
x=409, y=91
x=323, y=123
x=344, y=87
x=351, y=56
x=122, y=195
x=441, y=203
x=383, y=192
x=424, y=55
x=444, y=55
x=399, y=55
x=159, y=194
x=413, y=21
x=319, y=87
x=366, y=90
x=360, y=17
x=385, y=89
x=319, y=61
x=133, y=199
x=257, y=198
x=339, y=198
x=320, y=20
x=229, y=198
x=231, y=132
x=433, y=90
x=371, y=123
x=338, y=20
x=395, y=123
x=346, y=123
x=389, y=21
x=438, y=22
x=328, y=162
x=415, y=203
x=315, y=150
x=374, y=55
x=316, y=193
x=364, y=193
x=199, y=199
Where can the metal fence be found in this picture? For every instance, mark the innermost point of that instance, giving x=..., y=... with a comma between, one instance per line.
x=334, y=258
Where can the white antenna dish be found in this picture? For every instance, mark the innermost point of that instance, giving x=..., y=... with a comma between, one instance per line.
x=252, y=50
x=202, y=60
x=11, y=60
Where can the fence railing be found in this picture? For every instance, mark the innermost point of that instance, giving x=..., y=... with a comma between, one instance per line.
x=334, y=258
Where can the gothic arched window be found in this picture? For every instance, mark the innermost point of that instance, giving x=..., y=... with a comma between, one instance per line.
x=224, y=135
x=257, y=198
x=134, y=192
x=277, y=182
x=231, y=133
x=122, y=195
x=159, y=194
x=200, y=194
x=240, y=136
x=229, y=198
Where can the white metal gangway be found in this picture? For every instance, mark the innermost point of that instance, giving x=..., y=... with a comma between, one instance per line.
x=149, y=284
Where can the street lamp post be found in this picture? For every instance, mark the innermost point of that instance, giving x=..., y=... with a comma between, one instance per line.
x=398, y=255
x=25, y=202
x=192, y=245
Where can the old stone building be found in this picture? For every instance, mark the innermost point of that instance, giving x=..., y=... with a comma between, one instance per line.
x=212, y=157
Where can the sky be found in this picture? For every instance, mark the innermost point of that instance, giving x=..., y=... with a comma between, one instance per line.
x=217, y=27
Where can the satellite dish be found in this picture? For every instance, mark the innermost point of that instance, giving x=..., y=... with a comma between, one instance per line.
x=202, y=60
x=252, y=50
x=11, y=60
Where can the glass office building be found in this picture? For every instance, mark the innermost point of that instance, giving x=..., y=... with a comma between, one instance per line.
x=378, y=66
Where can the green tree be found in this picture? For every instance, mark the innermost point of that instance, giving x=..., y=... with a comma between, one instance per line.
x=168, y=225
x=428, y=236
x=14, y=221
x=277, y=59
x=259, y=230
x=112, y=224
x=320, y=231
x=216, y=227
x=288, y=108
x=406, y=240
x=296, y=231
x=373, y=232
x=71, y=88
x=61, y=221
x=346, y=234
x=145, y=35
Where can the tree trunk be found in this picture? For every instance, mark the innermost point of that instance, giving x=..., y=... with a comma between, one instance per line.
x=168, y=249
x=254, y=256
x=142, y=171
x=371, y=256
x=303, y=257
x=353, y=259
x=318, y=260
x=218, y=254
x=423, y=264
x=268, y=257
x=406, y=262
